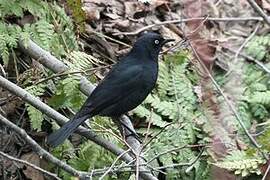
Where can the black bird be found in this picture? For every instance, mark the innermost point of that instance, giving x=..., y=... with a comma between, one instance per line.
x=126, y=86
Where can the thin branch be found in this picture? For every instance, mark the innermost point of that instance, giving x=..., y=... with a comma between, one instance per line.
x=190, y=19
x=66, y=73
x=266, y=172
x=116, y=136
x=39, y=150
x=245, y=42
x=149, y=125
x=90, y=31
x=113, y=164
x=2, y=71
x=260, y=64
x=175, y=149
x=257, y=8
x=152, y=138
x=43, y=171
x=183, y=164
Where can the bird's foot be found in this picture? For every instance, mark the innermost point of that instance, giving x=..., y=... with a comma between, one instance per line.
x=85, y=125
x=134, y=134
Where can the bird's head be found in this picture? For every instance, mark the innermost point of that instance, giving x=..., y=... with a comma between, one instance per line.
x=150, y=44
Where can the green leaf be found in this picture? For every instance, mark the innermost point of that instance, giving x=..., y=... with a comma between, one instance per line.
x=36, y=117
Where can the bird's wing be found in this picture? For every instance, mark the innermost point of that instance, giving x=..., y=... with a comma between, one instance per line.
x=119, y=82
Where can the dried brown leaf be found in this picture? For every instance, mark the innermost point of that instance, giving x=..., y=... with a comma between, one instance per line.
x=30, y=172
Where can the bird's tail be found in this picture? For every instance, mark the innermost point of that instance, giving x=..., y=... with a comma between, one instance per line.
x=59, y=136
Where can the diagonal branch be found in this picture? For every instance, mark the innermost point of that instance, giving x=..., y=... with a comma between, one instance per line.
x=257, y=8
x=178, y=21
x=29, y=164
x=39, y=150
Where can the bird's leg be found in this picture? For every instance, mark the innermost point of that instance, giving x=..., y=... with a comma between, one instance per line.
x=132, y=132
x=124, y=129
x=85, y=125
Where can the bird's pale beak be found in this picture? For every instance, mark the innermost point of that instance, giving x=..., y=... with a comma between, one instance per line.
x=166, y=41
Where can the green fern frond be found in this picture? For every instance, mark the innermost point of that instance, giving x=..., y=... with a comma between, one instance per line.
x=155, y=119
x=165, y=108
x=36, y=90
x=44, y=33
x=65, y=30
x=80, y=61
x=260, y=98
x=35, y=7
x=36, y=117
x=9, y=36
x=258, y=46
x=12, y=7
x=163, y=81
x=67, y=94
x=238, y=162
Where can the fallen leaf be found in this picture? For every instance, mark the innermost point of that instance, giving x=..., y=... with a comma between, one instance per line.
x=29, y=171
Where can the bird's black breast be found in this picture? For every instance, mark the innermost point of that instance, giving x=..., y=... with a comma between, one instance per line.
x=138, y=93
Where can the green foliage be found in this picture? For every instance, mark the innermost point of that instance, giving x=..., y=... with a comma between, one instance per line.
x=67, y=94
x=257, y=93
x=9, y=35
x=262, y=97
x=88, y=155
x=79, y=61
x=44, y=33
x=36, y=117
x=52, y=29
x=91, y=156
x=176, y=136
x=18, y=7
x=258, y=47
x=253, y=108
x=77, y=12
x=240, y=163
x=264, y=139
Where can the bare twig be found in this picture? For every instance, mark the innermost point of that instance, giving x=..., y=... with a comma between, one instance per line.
x=257, y=8
x=260, y=64
x=153, y=137
x=190, y=19
x=29, y=164
x=89, y=31
x=2, y=71
x=266, y=172
x=116, y=136
x=148, y=126
x=39, y=150
x=92, y=70
x=175, y=149
x=246, y=41
x=182, y=164
x=113, y=164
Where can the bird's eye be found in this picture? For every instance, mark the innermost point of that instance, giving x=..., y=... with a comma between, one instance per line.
x=156, y=41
